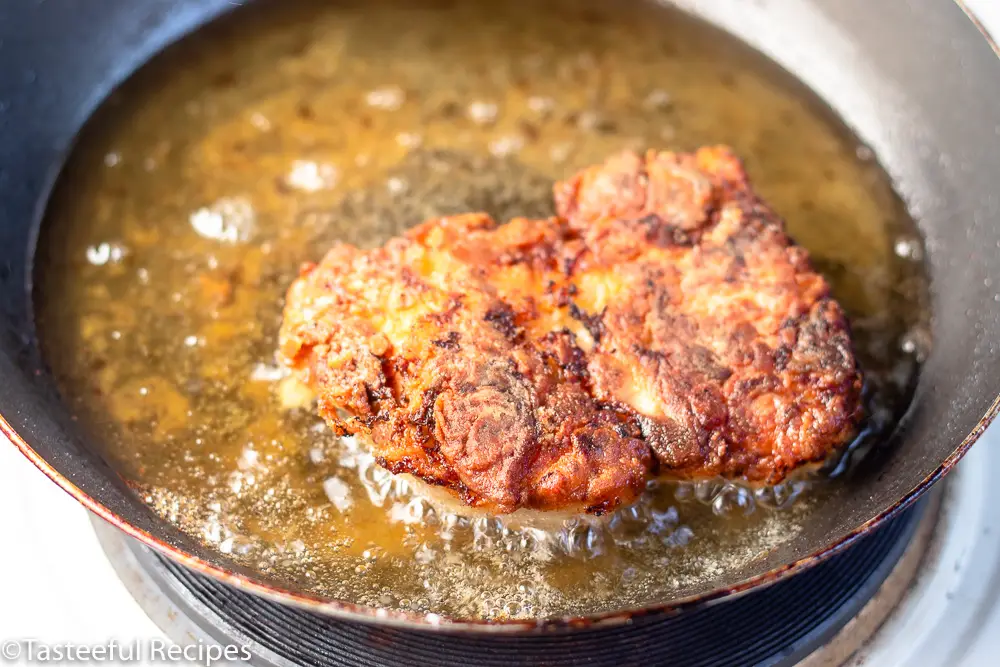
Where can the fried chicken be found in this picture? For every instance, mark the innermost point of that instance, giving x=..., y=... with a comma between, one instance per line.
x=663, y=324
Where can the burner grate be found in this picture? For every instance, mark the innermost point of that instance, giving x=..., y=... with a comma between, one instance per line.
x=779, y=625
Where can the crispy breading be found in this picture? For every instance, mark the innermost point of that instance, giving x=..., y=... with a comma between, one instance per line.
x=662, y=324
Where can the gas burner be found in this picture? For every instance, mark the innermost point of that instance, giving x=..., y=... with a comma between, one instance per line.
x=779, y=625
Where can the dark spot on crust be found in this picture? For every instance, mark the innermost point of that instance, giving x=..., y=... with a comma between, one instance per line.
x=449, y=342
x=424, y=415
x=451, y=310
x=570, y=261
x=587, y=443
x=376, y=394
x=601, y=509
x=703, y=361
x=562, y=348
x=623, y=430
x=502, y=318
x=663, y=234
x=594, y=324
x=781, y=357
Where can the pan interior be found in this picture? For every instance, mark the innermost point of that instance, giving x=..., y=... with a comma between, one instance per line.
x=202, y=183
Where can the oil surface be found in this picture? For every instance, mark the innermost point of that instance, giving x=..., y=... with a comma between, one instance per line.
x=201, y=185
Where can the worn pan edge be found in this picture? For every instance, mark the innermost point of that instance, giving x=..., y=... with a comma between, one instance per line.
x=434, y=622
x=979, y=26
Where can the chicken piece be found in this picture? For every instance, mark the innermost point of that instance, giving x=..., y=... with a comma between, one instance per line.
x=663, y=324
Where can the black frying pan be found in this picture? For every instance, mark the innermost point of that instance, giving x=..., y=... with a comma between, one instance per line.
x=916, y=81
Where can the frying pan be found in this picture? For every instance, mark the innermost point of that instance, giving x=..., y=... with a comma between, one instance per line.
x=915, y=80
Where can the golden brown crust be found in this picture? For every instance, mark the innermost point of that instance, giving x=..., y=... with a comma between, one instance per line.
x=662, y=324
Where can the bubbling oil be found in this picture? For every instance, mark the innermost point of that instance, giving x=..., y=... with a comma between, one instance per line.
x=202, y=184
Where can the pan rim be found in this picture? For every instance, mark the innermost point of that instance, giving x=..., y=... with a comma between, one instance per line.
x=433, y=622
